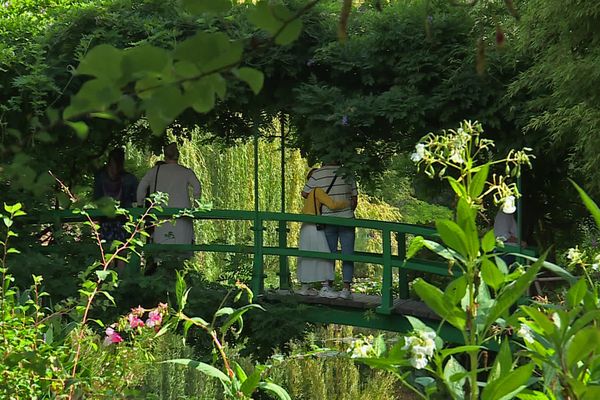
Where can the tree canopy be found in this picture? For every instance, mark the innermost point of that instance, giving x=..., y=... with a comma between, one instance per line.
x=404, y=68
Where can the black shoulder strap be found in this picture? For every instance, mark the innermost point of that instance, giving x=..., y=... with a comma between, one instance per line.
x=331, y=184
x=314, y=196
x=156, y=177
x=327, y=191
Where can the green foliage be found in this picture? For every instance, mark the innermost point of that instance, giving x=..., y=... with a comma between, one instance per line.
x=236, y=382
x=559, y=79
x=318, y=367
x=478, y=302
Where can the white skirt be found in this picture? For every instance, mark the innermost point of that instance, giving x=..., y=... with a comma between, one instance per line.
x=314, y=269
x=182, y=232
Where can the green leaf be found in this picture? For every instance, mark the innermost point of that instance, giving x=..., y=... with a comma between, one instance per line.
x=502, y=363
x=452, y=235
x=511, y=293
x=465, y=217
x=508, y=385
x=542, y=321
x=592, y=392
x=442, y=251
x=12, y=250
x=582, y=344
x=576, y=293
x=459, y=349
x=224, y=311
x=452, y=369
x=290, y=33
x=415, y=245
x=186, y=69
x=180, y=289
x=145, y=59
x=80, y=128
x=251, y=383
x=458, y=187
x=456, y=290
x=555, y=269
x=478, y=181
x=102, y=275
x=253, y=77
x=417, y=324
x=102, y=61
x=198, y=7
x=236, y=317
x=165, y=104
x=589, y=203
x=261, y=16
x=488, y=242
x=12, y=209
x=210, y=52
x=239, y=372
x=491, y=275
x=94, y=95
x=200, y=95
x=434, y=298
x=275, y=389
x=206, y=369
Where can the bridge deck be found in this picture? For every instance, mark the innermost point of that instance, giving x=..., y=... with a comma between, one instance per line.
x=362, y=302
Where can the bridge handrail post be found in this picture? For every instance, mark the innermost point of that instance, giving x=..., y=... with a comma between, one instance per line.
x=257, y=265
x=284, y=268
x=387, y=298
x=402, y=272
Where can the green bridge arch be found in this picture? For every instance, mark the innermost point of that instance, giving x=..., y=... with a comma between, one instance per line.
x=377, y=312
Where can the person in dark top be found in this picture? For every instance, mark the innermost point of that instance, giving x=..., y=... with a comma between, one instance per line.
x=116, y=183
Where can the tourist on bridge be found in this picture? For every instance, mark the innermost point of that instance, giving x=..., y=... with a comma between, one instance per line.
x=339, y=188
x=312, y=238
x=115, y=183
x=174, y=179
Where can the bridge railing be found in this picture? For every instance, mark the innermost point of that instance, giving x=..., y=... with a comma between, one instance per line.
x=387, y=259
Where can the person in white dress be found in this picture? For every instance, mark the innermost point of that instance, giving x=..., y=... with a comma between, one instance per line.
x=313, y=239
x=174, y=179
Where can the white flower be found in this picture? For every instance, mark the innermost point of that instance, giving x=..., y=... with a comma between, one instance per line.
x=509, y=205
x=574, y=255
x=595, y=267
x=456, y=157
x=556, y=320
x=419, y=153
x=408, y=341
x=526, y=333
x=419, y=361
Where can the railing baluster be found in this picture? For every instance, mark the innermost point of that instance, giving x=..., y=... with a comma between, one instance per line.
x=387, y=298
x=402, y=272
x=258, y=270
x=284, y=268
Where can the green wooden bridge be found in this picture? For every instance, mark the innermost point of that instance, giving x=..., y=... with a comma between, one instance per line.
x=378, y=312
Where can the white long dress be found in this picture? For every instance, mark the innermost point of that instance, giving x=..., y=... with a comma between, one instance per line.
x=175, y=180
x=311, y=239
x=314, y=269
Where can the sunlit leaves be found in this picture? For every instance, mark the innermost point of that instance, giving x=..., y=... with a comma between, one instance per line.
x=277, y=20
x=80, y=128
x=435, y=299
x=210, y=52
x=102, y=61
x=144, y=60
x=253, y=77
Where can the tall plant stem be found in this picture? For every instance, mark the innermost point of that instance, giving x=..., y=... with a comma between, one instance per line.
x=472, y=331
